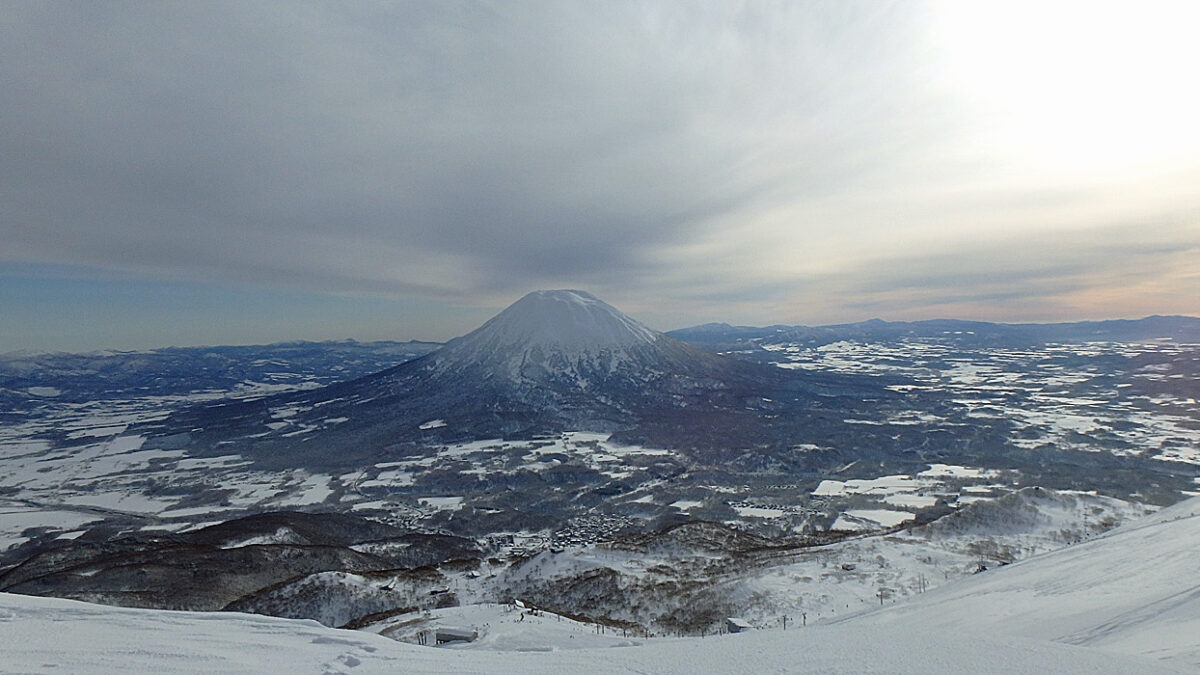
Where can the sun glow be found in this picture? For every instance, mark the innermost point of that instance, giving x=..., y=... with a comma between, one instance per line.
x=1092, y=87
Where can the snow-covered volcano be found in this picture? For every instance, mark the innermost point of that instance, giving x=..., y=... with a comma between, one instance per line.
x=553, y=361
x=571, y=340
x=558, y=360
x=569, y=324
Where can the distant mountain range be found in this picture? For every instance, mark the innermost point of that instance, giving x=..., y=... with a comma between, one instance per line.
x=27, y=378
x=967, y=333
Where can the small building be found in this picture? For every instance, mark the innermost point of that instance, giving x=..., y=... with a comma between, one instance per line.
x=737, y=625
x=445, y=635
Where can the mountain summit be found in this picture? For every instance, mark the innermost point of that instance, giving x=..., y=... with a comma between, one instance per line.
x=553, y=361
x=559, y=320
x=548, y=331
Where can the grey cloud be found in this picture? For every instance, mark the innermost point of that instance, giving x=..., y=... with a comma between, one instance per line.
x=529, y=142
x=468, y=152
x=1018, y=275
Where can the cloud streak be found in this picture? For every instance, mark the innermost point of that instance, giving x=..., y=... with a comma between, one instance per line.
x=689, y=152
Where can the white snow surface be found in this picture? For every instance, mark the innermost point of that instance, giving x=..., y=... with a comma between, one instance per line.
x=47, y=635
x=1125, y=602
x=572, y=324
x=1133, y=591
x=852, y=519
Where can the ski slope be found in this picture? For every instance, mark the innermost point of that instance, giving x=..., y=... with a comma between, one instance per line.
x=42, y=635
x=1135, y=590
x=1127, y=602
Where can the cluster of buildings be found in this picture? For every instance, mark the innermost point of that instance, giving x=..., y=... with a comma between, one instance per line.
x=585, y=530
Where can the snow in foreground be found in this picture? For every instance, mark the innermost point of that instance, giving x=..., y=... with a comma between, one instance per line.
x=1131, y=591
x=1126, y=602
x=41, y=635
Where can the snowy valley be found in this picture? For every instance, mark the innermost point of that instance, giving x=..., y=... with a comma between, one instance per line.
x=636, y=489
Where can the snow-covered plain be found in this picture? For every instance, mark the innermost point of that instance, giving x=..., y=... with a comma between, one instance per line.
x=1035, y=389
x=98, y=468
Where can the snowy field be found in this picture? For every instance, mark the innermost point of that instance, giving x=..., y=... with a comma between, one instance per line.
x=105, y=473
x=67, y=471
x=1062, y=395
x=80, y=462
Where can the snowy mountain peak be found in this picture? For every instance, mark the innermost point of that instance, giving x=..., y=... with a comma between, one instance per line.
x=561, y=326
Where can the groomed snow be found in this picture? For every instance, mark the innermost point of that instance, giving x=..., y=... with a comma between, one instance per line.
x=45, y=635
x=1131, y=591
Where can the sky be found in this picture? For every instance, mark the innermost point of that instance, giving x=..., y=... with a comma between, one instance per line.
x=184, y=173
